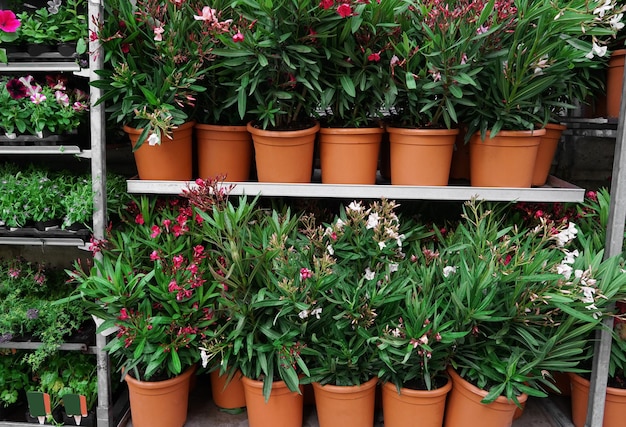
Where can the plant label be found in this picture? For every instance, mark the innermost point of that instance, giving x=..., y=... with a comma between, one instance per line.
x=39, y=405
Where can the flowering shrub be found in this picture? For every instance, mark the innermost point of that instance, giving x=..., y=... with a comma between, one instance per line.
x=357, y=43
x=416, y=346
x=438, y=56
x=154, y=59
x=365, y=246
x=542, y=67
x=153, y=285
x=526, y=299
x=32, y=107
x=8, y=26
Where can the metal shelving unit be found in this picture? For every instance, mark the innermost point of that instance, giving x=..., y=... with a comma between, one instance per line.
x=107, y=414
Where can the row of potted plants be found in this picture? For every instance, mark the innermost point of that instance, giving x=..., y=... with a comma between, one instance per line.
x=38, y=106
x=437, y=65
x=29, y=292
x=44, y=199
x=349, y=299
x=52, y=388
x=54, y=30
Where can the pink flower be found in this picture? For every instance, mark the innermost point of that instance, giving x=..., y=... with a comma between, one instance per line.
x=154, y=256
x=155, y=231
x=305, y=273
x=173, y=286
x=139, y=219
x=167, y=223
x=123, y=314
x=208, y=14
x=374, y=57
x=62, y=98
x=8, y=21
x=344, y=10
x=238, y=38
x=178, y=260
x=37, y=98
x=158, y=34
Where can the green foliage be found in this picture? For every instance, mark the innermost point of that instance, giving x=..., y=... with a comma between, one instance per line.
x=28, y=294
x=49, y=25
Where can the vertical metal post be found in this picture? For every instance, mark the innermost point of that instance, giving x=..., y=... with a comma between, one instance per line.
x=98, y=173
x=613, y=246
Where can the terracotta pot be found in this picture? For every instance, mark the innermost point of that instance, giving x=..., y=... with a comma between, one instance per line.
x=464, y=407
x=421, y=156
x=614, y=404
x=159, y=403
x=507, y=160
x=283, y=409
x=345, y=406
x=168, y=161
x=227, y=396
x=615, y=83
x=399, y=410
x=545, y=152
x=284, y=156
x=224, y=150
x=349, y=155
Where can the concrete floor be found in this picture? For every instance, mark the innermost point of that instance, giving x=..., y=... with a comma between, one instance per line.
x=550, y=412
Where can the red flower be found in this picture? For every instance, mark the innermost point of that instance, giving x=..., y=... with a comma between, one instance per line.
x=139, y=219
x=344, y=10
x=123, y=314
x=125, y=48
x=326, y=4
x=374, y=57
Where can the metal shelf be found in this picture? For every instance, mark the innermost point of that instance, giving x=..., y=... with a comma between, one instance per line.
x=41, y=65
x=82, y=347
x=555, y=190
x=44, y=241
x=45, y=149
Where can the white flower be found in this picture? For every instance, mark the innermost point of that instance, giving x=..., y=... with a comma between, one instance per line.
x=396, y=332
x=316, y=312
x=578, y=274
x=588, y=293
x=597, y=50
x=448, y=270
x=355, y=206
x=601, y=10
x=382, y=245
x=330, y=249
x=372, y=220
x=304, y=314
x=205, y=357
x=570, y=257
x=399, y=240
x=393, y=267
x=339, y=223
x=154, y=139
x=565, y=270
x=369, y=274
x=616, y=22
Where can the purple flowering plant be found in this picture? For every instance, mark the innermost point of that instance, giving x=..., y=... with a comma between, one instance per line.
x=32, y=106
x=153, y=284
